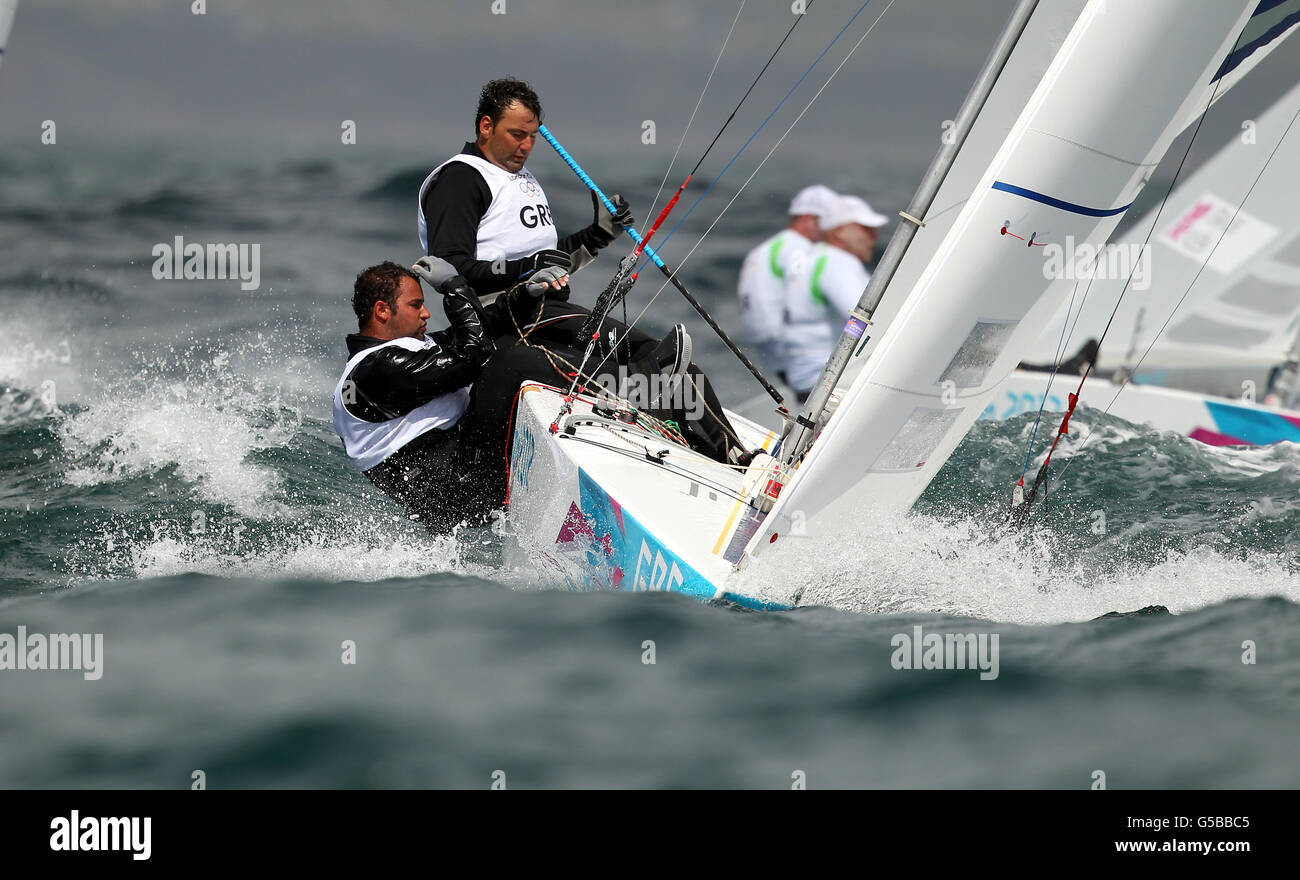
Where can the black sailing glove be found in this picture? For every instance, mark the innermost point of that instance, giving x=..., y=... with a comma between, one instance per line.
x=549, y=259
x=606, y=227
x=545, y=260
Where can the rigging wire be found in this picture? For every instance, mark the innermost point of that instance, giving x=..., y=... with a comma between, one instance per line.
x=764, y=123
x=1042, y=472
x=1192, y=284
x=644, y=240
x=654, y=204
x=1056, y=363
x=798, y=18
x=672, y=203
x=770, y=152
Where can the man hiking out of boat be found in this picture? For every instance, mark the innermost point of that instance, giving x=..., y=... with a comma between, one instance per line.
x=404, y=402
x=819, y=299
x=761, y=286
x=484, y=213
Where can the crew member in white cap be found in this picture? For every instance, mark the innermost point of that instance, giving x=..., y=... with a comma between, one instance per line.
x=763, y=274
x=819, y=299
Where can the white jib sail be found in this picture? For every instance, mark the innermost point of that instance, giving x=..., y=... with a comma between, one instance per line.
x=1220, y=277
x=1113, y=99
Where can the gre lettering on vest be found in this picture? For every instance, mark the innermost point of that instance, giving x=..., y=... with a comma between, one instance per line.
x=532, y=215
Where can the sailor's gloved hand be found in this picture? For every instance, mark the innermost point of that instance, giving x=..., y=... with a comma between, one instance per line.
x=545, y=260
x=609, y=226
x=436, y=271
x=544, y=280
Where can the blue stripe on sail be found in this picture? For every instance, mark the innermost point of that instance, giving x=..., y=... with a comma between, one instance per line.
x=1059, y=203
x=1265, y=6
x=1241, y=54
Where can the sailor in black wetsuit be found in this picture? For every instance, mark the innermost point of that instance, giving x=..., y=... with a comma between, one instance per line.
x=401, y=404
x=484, y=213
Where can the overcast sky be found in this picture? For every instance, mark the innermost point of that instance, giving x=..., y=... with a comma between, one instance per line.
x=277, y=72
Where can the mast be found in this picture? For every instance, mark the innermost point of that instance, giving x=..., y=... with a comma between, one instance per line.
x=814, y=413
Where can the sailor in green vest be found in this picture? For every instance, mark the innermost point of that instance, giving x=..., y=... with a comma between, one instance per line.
x=818, y=299
x=763, y=274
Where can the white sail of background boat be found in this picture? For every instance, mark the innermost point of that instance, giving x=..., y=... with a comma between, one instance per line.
x=1073, y=142
x=1209, y=307
x=1236, y=263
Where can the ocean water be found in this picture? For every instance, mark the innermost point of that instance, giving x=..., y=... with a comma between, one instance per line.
x=169, y=478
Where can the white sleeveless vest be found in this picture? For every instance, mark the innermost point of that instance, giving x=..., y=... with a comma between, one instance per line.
x=518, y=222
x=369, y=443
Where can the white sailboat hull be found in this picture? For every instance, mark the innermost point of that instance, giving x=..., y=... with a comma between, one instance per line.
x=600, y=507
x=1216, y=421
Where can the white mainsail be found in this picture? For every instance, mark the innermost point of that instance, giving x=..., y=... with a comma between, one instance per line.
x=1042, y=37
x=1217, y=291
x=1068, y=169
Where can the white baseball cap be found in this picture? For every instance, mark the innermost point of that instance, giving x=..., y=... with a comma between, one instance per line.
x=851, y=209
x=815, y=199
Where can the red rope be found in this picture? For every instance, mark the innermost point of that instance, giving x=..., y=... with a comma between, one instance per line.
x=663, y=215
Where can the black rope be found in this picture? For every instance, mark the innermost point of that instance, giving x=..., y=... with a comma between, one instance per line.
x=771, y=58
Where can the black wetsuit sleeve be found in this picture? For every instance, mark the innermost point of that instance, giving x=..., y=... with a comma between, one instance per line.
x=453, y=207
x=593, y=238
x=393, y=381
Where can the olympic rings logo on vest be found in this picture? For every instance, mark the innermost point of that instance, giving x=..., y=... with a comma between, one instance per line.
x=529, y=187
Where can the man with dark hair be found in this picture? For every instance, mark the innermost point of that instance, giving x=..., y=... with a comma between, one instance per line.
x=485, y=213
x=401, y=403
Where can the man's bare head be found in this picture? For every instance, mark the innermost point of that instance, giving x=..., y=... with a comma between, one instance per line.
x=389, y=302
x=509, y=115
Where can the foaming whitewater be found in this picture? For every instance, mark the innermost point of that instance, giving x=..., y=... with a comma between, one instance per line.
x=1132, y=518
x=926, y=565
